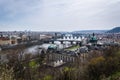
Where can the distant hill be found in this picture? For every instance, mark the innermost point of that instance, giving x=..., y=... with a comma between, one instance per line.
x=90, y=31
x=114, y=30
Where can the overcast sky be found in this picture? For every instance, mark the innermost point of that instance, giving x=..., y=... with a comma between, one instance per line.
x=59, y=15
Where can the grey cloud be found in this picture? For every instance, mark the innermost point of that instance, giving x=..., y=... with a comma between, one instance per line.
x=61, y=14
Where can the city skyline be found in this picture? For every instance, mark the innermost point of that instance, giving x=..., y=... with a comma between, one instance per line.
x=63, y=15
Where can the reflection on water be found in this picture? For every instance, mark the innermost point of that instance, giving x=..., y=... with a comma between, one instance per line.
x=34, y=49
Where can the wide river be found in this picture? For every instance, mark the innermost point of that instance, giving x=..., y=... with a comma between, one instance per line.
x=34, y=49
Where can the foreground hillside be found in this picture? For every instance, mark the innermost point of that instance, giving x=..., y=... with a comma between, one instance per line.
x=104, y=65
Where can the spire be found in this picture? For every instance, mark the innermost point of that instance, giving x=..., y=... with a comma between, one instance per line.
x=93, y=34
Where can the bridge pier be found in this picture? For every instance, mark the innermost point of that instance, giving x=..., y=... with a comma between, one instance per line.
x=77, y=43
x=71, y=42
x=80, y=43
x=61, y=42
x=52, y=42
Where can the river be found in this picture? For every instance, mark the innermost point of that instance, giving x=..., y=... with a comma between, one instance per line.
x=34, y=49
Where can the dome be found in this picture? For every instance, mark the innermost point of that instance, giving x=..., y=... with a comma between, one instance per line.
x=93, y=39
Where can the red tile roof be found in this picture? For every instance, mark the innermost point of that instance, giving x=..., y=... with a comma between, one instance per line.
x=4, y=38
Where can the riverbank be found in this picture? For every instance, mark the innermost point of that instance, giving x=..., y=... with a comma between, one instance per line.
x=23, y=45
